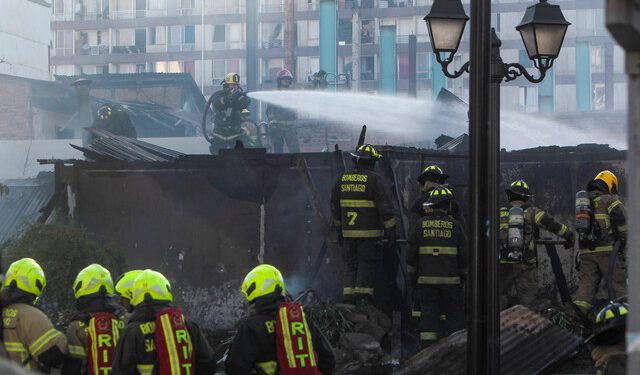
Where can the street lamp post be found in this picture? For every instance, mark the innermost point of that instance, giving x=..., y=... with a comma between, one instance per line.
x=542, y=29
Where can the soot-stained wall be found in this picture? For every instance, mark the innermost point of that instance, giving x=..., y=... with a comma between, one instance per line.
x=205, y=220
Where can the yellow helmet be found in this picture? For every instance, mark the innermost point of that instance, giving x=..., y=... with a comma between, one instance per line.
x=92, y=279
x=610, y=179
x=26, y=275
x=153, y=284
x=233, y=78
x=124, y=284
x=263, y=280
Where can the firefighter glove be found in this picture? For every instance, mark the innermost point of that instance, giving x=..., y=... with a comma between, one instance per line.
x=569, y=241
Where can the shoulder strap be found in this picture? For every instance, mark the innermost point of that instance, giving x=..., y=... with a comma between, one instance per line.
x=173, y=343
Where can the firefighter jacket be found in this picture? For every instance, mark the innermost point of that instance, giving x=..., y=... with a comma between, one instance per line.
x=611, y=219
x=228, y=105
x=136, y=348
x=281, y=115
x=76, y=363
x=534, y=220
x=119, y=123
x=438, y=249
x=361, y=205
x=254, y=345
x=30, y=338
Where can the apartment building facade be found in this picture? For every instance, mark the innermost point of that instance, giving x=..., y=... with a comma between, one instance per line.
x=25, y=51
x=208, y=38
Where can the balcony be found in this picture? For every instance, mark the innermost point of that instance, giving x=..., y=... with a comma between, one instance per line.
x=96, y=50
x=277, y=43
x=63, y=52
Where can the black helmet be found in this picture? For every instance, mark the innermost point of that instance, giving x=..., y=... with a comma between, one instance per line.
x=366, y=152
x=439, y=195
x=519, y=190
x=610, y=323
x=105, y=112
x=432, y=173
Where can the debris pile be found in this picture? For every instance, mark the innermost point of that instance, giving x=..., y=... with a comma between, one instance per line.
x=359, y=334
x=110, y=147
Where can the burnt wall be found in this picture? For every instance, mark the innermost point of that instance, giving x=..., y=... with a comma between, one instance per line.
x=206, y=220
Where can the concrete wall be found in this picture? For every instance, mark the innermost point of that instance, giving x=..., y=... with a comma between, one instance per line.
x=25, y=38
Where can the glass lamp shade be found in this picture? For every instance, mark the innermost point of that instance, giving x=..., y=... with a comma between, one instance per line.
x=543, y=41
x=445, y=34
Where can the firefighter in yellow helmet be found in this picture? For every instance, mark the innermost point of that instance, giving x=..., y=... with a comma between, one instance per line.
x=124, y=288
x=94, y=330
x=363, y=215
x=29, y=337
x=254, y=347
x=607, y=232
x=157, y=339
x=520, y=225
x=228, y=104
x=608, y=339
x=437, y=263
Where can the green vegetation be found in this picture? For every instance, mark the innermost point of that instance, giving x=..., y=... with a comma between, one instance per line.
x=62, y=251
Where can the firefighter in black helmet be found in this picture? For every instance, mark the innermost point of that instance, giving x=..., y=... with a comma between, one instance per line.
x=430, y=178
x=363, y=215
x=608, y=339
x=437, y=262
x=520, y=224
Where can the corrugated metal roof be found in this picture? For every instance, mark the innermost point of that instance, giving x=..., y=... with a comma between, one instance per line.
x=23, y=203
x=529, y=344
x=111, y=147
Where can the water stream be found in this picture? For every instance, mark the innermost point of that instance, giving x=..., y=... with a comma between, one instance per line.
x=425, y=120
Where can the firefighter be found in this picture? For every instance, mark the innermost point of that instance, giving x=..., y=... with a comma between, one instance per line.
x=29, y=336
x=114, y=119
x=363, y=215
x=124, y=288
x=520, y=225
x=437, y=262
x=608, y=339
x=156, y=338
x=282, y=121
x=93, y=331
x=598, y=261
x=228, y=104
x=430, y=178
x=255, y=347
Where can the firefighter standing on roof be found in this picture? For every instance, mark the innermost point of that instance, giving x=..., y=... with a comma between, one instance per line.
x=94, y=331
x=282, y=121
x=157, y=339
x=29, y=337
x=363, y=215
x=608, y=226
x=228, y=104
x=255, y=345
x=437, y=259
x=520, y=225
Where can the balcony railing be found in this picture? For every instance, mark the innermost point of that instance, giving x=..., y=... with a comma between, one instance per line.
x=127, y=49
x=185, y=47
x=63, y=51
x=93, y=50
x=272, y=44
x=272, y=8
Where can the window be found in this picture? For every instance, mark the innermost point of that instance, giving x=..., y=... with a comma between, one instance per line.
x=167, y=67
x=141, y=68
x=235, y=36
x=344, y=31
x=219, y=68
x=597, y=59
x=366, y=31
x=58, y=6
x=598, y=97
x=190, y=34
x=174, y=35
x=367, y=68
x=423, y=65
x=157, y=4
x=270, y=69
x=219, y=33
x=271, y=35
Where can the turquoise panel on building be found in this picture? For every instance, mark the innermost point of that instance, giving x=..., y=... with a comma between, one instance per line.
x=546, y=92
x=583, y=76
x=438, y=79
x=328, y=37
x=388, y=60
